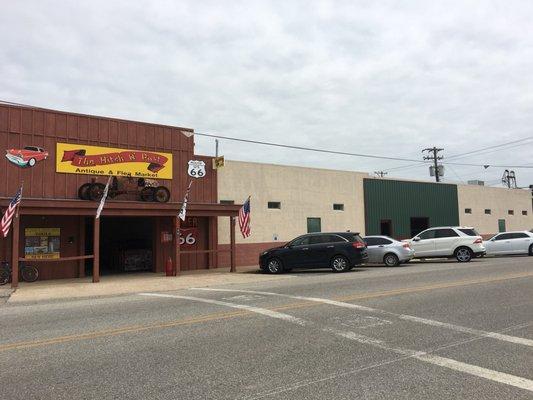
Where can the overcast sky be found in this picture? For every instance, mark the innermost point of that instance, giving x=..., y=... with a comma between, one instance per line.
x=387, y=78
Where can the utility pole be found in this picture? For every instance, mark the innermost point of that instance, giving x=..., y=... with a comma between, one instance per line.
x=433, y=156
x=381, y=174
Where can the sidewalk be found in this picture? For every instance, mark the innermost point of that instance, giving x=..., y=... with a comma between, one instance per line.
x=134, y=283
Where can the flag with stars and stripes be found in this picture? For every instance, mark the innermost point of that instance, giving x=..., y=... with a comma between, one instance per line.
x=244, y=219
x=7, y=218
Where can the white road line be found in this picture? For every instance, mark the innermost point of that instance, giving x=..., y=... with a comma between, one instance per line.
x=458, y=328
x=492, y=375
x=257, y=310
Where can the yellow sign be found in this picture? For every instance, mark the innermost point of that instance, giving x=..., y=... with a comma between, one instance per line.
x=42, y=243
x=218, y=162
x=93, y=160
x=42, y=231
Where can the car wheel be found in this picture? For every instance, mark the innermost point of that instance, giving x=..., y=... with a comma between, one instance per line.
x=391, y=260
x=339, y=264
x=531, y=250
x=274, y=266
x=31, y=162
x=463, y=254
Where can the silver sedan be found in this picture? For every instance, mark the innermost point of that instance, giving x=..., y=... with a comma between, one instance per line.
x=388, y=251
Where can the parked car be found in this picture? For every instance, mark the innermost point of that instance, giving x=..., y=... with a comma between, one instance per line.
x=519, y=242
x=460, y=242
x=388, y=251
x=340, y=251
x=26, y=157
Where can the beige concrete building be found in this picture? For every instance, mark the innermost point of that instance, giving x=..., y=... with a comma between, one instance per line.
x=491, y=209
x=287, y=200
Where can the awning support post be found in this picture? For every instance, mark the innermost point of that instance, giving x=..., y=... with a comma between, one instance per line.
x=15, y=252
x=176, y=265
x=232, y=244
x=96, y=250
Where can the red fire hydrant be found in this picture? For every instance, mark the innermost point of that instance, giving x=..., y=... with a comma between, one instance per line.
x=168, y=267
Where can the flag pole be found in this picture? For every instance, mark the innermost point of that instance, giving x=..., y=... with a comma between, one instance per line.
x=18, y=205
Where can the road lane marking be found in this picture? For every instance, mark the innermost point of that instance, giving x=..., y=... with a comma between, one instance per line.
x=496, y=376
x=257, y=310
x=208, y=318
x=336, y=375
x=425, y=321
x=120, y=331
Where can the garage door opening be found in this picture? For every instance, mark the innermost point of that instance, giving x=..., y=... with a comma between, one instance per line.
x=418, y=224
x=126, y=245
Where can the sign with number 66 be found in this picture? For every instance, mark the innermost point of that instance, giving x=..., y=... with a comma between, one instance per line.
x=189, y=239
x=188, y=236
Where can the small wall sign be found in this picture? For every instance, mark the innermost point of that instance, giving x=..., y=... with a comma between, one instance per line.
x=42, y=243
x=196, y=169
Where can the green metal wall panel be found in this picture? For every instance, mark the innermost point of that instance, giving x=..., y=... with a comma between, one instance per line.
x=399, y=201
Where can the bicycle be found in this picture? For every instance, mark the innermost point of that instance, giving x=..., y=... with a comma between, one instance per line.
x=27, y=273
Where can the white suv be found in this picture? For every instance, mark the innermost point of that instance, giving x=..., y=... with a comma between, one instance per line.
x=460, y=242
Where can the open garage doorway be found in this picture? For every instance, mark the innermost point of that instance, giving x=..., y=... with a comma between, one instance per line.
x=126, y=244
x=418, y=224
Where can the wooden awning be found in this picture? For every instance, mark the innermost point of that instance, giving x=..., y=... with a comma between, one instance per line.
x=32, y=206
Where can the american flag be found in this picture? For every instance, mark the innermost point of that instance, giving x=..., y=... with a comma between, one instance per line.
x=10, y=212
x=244, y=219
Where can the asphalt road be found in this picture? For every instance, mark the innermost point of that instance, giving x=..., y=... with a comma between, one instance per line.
x=421, y=331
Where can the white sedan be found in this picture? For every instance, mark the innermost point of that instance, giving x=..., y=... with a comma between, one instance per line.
x=520, y=242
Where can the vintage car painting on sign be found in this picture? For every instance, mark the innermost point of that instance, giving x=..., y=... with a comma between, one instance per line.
x=26, y=157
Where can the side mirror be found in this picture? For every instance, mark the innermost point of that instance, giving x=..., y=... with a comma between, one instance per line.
x=416, y=239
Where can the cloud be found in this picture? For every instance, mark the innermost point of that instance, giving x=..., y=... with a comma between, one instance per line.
x=383, y=78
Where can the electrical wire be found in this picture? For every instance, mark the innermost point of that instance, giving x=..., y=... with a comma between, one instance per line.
x=286, y=146
x=317, y=150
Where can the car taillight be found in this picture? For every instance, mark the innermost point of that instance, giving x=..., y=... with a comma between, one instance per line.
x=358, y=245
x=478, y=241
x=406, y=245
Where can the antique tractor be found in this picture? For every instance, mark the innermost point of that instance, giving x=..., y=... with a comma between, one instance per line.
x=146, y=189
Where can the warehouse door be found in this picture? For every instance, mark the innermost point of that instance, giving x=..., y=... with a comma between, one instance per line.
x=418, y=224
x=385, y=227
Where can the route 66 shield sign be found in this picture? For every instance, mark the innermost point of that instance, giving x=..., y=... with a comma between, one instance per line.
x=196, y=169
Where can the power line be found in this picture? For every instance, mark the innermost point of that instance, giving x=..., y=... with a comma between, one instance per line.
x=467, y=153
x=491, y=147
x=313, y=149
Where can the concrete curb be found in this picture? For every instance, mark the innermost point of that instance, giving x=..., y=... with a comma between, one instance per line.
x=78, y=289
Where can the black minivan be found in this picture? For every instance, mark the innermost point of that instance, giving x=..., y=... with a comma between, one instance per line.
x=340, y=251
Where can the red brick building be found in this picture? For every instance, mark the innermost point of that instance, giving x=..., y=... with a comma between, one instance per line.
x=58, y=232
